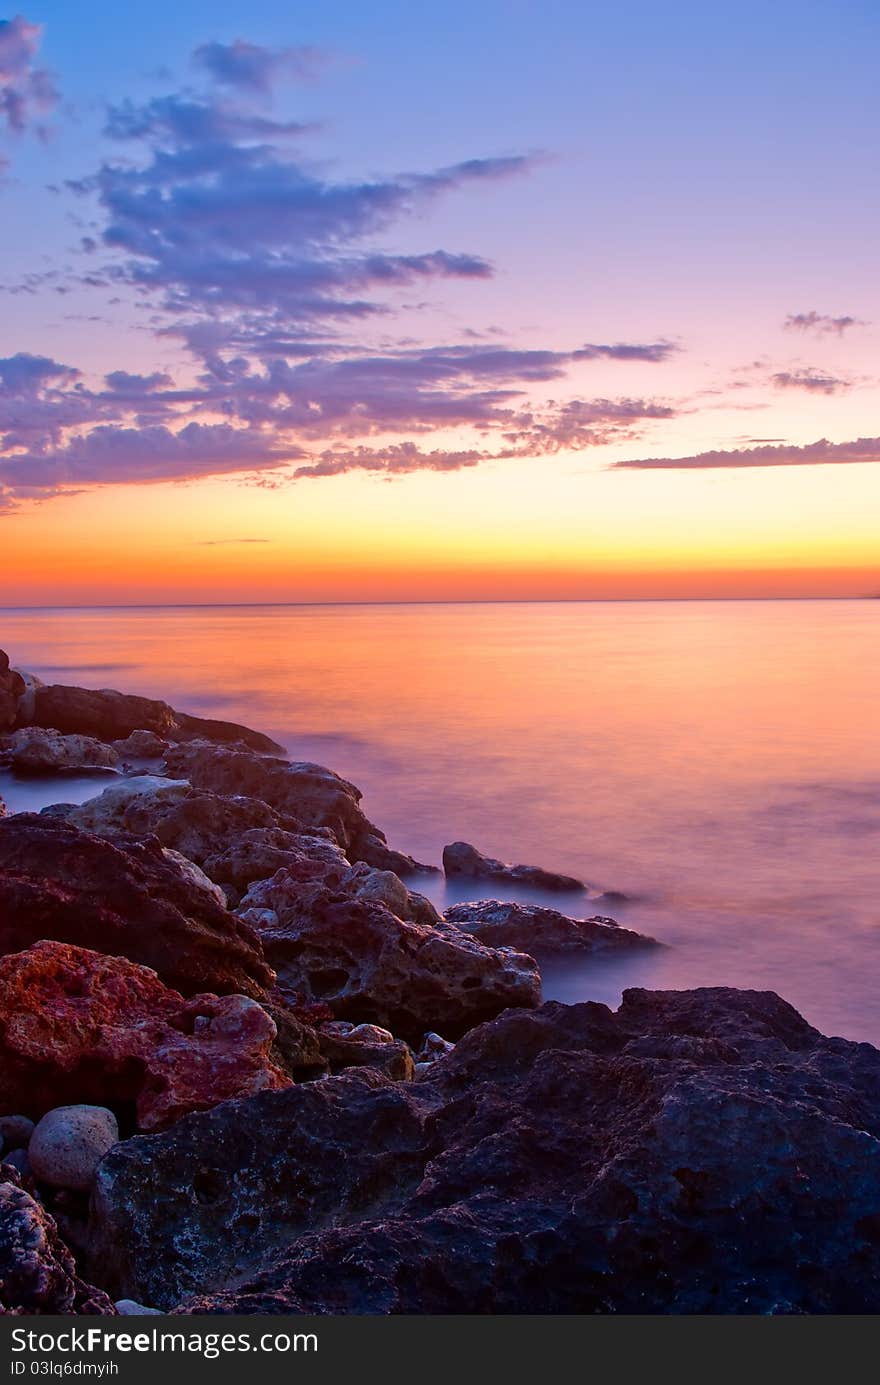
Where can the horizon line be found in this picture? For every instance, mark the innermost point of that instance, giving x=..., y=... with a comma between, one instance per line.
x=436, y=601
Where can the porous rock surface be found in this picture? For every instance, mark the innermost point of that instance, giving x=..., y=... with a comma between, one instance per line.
x=695, y=1152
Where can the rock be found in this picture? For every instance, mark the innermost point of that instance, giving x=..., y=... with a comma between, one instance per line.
x=542, y=932
x=110, y=811
x=347, y=1045
x=195, y=875
x=367, y=964
x=123, y=897
x=220, y=1192
x=18, y=1160
x=37, y=1272
x=12, y=687
x=113, y=716
x=259, y=852
x=694, y=1152
x=434, y=1047
x=313, y=795
x=33, y=750
x=383, y=886
x=463, y=861
x=141, y=745
x=127, y=1308
x=15, y=1132
x=69, y=1143
x=77, y=1024
x=2, y=809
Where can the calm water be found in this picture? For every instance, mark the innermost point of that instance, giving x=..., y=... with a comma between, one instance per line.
x=721, y=761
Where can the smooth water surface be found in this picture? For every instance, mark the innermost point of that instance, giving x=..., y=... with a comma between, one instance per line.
x=718, y=760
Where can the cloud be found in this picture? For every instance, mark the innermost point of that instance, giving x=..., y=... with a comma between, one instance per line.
x=111, y=454
x=269, y=271
x=820, y=323
x=250, y=67
x=26, y=90
x=821, y=453
x=810, y=379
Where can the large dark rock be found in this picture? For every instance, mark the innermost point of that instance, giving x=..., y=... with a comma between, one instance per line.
x=461, y=861
x=12, y=687
x=37, y=1273
x=695, y=1152
x=315, y=796
x=112, y=716
x=125, y=898
x=369, y=965
x=543, y=932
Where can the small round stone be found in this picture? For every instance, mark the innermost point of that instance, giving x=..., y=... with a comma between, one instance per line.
x=69, y=1143
x=15, y=1132
x=128, y=1308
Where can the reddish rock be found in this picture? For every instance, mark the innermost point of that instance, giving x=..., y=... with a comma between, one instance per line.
x=369, y=965
x=315, y=796
x=113, y=716
x=79, y=1027
x=125, y=898
x=461, y=861
x=12, y=687
x=37, y=1273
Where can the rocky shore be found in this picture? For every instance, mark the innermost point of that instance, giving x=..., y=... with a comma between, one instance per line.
x=247, y=1067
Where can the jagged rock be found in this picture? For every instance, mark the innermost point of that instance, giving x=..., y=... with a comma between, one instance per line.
x=463, y=861
x=123, y=897
x=345, y=1045
x=101, y=1030
x=542, y=932
x=34, y=750
x=261, y=851
x=369, y=965
x=313, y=795
x=37, y=1272
x=127, y=1308
x=233, y=1186
x=12, y=687
x=113, y=716
x=141, y=745
x=68, y=1144
x=694, y=1152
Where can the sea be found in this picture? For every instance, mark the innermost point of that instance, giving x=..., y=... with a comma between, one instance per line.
x=716, y=762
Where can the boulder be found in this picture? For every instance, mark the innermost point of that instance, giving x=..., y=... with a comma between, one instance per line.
x=543, y=932
x=12, y=687
x=141, y=745
x=313, y=795
x=37, y=1273
x=256, y=854
x=216, y=1195
x=68, y=1144
x=113, y=716
x=694, y=1152
x=121, y=897
x=34, y=750
x=461, y=861
x=345, y=1045
x=76, y=1024
x=367, y=964
x=15, y=1132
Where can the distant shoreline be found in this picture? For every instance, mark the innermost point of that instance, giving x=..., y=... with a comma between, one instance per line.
x=478, y=601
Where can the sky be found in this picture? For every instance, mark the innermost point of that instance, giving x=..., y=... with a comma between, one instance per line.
x=503, y=301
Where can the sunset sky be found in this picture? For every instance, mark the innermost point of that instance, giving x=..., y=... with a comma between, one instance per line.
x=383, y=301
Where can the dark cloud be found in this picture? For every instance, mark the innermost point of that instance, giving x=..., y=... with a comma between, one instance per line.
x=27, y=91
x=821, y=453
x=810, y=379
x=27, y=374
x=820, y=323
x=250, y=67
